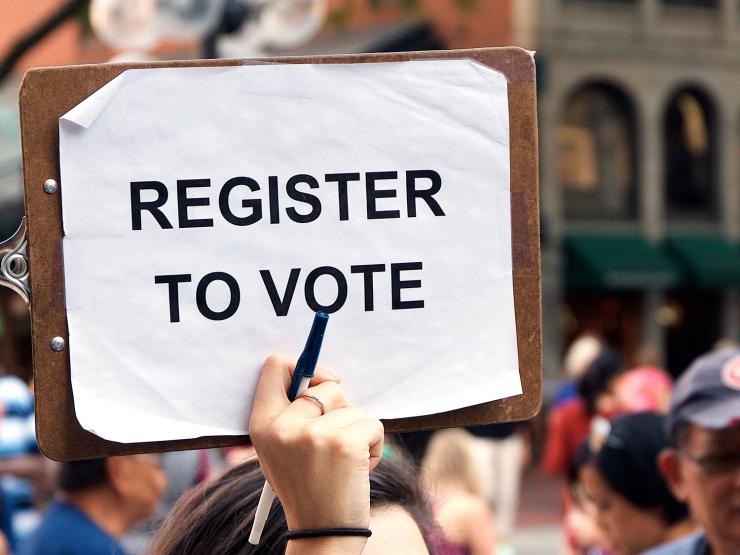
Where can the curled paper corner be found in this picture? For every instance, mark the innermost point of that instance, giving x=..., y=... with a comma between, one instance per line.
x=86, y=112
x=488, y=73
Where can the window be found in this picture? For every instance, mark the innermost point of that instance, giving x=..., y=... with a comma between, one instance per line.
x=690, y=156
x=597, y=154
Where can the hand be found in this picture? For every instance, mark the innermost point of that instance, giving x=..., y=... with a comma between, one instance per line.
x=318, y=465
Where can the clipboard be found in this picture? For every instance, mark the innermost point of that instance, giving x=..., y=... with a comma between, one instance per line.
x=48, y=93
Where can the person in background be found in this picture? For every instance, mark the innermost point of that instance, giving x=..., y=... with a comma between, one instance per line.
x=448, y=473
x=702, y=466
x=26, y=476
x=583, y=533
x=184, y=470
x=578, y=358
x=100, y=500
x=632, y=503
x=570, y=423
x=645, y=388
x=500, y=452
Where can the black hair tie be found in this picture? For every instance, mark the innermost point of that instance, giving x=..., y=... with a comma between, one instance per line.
x=325, y=532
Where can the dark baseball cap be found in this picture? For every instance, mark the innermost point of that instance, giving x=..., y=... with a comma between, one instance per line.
x=707, y=393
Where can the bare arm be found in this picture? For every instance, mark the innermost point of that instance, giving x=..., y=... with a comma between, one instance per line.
x=317, y=459
x=479, y=529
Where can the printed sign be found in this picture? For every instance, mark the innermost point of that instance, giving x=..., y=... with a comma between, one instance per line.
x=209, y=211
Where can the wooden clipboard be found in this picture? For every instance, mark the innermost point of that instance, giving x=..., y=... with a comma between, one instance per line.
x=48, y=93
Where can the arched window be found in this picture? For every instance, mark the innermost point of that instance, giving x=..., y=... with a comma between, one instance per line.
x=597, y=154
x=690, y=156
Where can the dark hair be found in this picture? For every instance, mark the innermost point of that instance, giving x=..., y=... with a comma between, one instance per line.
x=679, y=433
x=81, y=475
x=628, y=462
x=216, y=516
x=605, y=367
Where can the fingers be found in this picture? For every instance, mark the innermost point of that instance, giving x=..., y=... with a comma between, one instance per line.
x=271, y=395
x=270, y=398
x=339, y=418
x=329, y=393
x=353, y=425
x=323, y=375
x=355, y=422
x=370, y=431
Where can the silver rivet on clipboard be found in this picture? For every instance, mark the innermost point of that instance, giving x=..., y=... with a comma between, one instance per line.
x=57, y=343
x=51, y=186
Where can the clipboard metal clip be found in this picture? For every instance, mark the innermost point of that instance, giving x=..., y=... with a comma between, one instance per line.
x=14, y=268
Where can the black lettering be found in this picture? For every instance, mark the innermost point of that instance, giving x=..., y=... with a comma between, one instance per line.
x=200, y=296
x=184, y=202
x=272, y=186
x=412, y=193
x=342, y=179
x=173, y=281
x=338, y=276
x=137, y=205
x=254, y=203
x=300, y=196
x=372, y=194
x=397, y=284
x=367, y=270
x=280, y=306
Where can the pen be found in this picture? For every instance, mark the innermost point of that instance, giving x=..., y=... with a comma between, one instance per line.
x=302, y=375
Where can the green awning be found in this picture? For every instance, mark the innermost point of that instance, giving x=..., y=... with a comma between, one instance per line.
x=709, y=261
x=618, y=261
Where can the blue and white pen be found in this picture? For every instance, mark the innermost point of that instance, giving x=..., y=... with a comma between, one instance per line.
x=302, y=375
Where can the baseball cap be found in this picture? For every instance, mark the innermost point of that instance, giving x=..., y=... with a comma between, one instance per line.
x=707, y=393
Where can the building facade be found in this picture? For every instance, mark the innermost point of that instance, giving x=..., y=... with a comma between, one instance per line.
x=639, y=117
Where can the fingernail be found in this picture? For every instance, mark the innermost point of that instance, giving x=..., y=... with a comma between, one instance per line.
x=332, y=376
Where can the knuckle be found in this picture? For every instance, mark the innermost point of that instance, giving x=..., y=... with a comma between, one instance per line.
x=358, y=414
x=256, y=436
x=314, y=435
x=335, y=391
x=378, y=426
x=341, y=445
x=273, y=361
x=280, y=434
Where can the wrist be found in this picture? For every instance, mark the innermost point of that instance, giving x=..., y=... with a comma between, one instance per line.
x=316, y=518
x=330, y=545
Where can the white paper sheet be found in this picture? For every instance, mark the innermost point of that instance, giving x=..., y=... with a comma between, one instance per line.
x=138, y=376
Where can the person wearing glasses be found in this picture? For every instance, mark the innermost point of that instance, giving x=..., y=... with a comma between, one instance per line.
x=702, y=466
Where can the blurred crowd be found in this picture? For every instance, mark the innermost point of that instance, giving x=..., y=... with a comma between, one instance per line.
x=645, y=465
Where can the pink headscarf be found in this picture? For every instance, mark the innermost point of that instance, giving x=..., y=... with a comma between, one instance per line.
x=646, y=388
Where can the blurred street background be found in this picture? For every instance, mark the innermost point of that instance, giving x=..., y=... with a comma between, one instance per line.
x=639, y=136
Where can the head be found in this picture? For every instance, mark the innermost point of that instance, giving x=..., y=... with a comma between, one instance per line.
x=216, y=517
x=596, y=386
x=580, y=354
x=646, y=388
x=134, y=484
x=632, y=503
x=702, y=465
x=447, y=462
